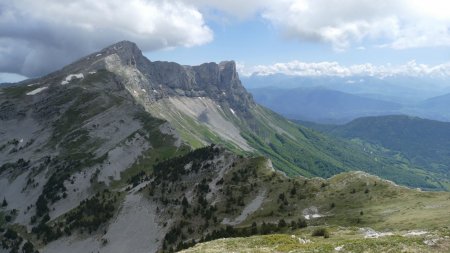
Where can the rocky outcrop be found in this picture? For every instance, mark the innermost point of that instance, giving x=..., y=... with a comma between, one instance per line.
x=159, y=79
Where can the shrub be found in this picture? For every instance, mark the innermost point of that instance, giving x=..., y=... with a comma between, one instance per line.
x=302, y=223
x=321, y=232
x=282, y=223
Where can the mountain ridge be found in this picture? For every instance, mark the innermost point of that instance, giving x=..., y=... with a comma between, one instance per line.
x=321, y=104
x=87, y=147
x=221, y=111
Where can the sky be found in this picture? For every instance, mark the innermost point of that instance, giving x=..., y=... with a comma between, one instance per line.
x=295, y=37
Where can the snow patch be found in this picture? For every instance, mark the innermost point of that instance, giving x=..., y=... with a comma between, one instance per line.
x=71, y=77
x=36, y=91
x=97, y=55
x=92, y=72
x=232, y=111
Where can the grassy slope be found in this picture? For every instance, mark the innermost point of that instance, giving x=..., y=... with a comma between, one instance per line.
x=341, y=199
x=384, y=207
x=298, y=150
x=347, y=238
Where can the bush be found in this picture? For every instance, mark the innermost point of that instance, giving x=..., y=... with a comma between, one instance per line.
x=321, y=232
x=282, y=223
x=302, y=223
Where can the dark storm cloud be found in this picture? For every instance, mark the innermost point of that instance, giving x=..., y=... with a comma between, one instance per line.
x=37, y=37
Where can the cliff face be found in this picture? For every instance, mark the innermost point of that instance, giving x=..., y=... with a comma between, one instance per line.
x=217, y=81
x=159, y=79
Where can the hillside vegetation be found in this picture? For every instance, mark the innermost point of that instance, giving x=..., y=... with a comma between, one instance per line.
x=425, y=143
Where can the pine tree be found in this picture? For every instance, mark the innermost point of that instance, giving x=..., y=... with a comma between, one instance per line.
x=4, y=203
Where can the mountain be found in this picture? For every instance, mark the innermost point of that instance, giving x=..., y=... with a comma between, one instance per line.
x=405, y=90
x=321, y=105
x=117, y=153
x=425, y=97
x=423, y=142
x=435, y=108
x=436, y=103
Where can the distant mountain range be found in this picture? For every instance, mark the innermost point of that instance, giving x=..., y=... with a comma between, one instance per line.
x=399, y=89
x=328, y=106
x=322, y=105
x=436, y=108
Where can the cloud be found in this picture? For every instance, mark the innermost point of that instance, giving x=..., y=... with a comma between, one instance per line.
x=397, y=24
x=239, y=9
x=39, y=36
x=297, y=68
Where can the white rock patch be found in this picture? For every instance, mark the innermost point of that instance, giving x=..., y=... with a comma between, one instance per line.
x=370, y=233
x=339, y=248
x=313, y=216
x=415, y=233
x=431, y=242
x=312, y=213
x=36, y=91
x=71, y=77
